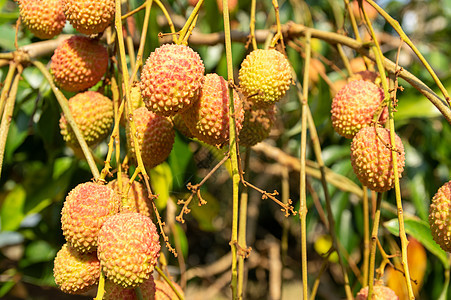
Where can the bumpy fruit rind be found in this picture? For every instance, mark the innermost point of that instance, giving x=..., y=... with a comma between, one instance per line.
x=371, y=158
x=155, y=135
x=208, y=118
x=354, y=105
x=93, y=114
x=171, y=79
x=440, y=217
x=75, y=272
x=380, y=292
x=85, y=210
x=128, y=248
x=137, y=199
x=257, y=124
x=89, y=16
x=164, y=290
x=117, y=292
x=265, y=76
x=79, y=63
x=45, y=18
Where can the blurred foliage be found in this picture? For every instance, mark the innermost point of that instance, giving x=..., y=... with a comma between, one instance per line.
x=39, y=170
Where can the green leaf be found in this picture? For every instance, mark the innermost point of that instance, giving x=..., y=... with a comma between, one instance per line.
x=420, y=230
x=161, y=179
x=38, y=251
x=16, y=136
x=180, y=235
x=206, y=213
x=179, y=160
x=12, y=212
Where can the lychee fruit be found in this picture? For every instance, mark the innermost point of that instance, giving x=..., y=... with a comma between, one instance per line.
x=257, y=124
x=354, y=105
x=155, y=135
x=78, y=63
x=85, y=210
x=117, y=292
x=93, y=114
x=164, y=290
x=380, y=292
x=75, y=272
x=265, y=76
x=128, y=248
x=137, y=199
x=208, y=118
x=45, y=18
x=371, y=158
x=171, y=79
x=440, y=217
x=315, y=70
x=89, y=16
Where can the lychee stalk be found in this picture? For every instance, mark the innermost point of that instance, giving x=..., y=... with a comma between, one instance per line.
x=70, y=119
x=233, y=149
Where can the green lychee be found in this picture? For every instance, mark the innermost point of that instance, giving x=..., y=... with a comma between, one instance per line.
x=75, y=272
x=155, y=135
x=354, y=105
x=128, y=248
x=208, y=118
x=440, y=217
x=45, y=18
x=85, y=210
x=93, y=114
x=78, y=63
x=371, y=158
x=265, y=76
x=171, y=79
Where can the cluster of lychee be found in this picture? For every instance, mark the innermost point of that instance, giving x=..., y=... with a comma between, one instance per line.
x=109, y=234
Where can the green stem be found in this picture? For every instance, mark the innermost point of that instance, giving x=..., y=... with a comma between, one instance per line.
x=101, y=288
x=406, y=39
x=232, y=148
x=302, y=192
x=252, y=25
x=64, y=104
x=366, y=236
x=8, y=114
x=188, y=22
x=242, y=228
x=377, y=216
x=7, y=85
x=176, y=291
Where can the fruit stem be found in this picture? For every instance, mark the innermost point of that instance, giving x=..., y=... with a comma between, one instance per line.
x=233, y=149
x=243, y=252
x=64, y=104
x=101, y=288
x=7, y=85
x=139, y=294
x=176, y=291
x=278, y=36
x=8, y=111
x=377, y=216
x=406, y=39
x=190, y=30
x=168, y=18
x=366, y=236
x=252, y=25
x=302, y=192
x=184, y=30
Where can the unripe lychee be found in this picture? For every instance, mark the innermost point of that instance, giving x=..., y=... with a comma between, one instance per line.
x=380, y=292
x=354, y=105
x=89, y=16
x=93, y=114
x=128, y=248
x=155, y=135
x=79, y=63
x=265, y=76
x=85, y=210
x=164, y=290
x=257, y=124
x=371, y=158
x=208, y=118
x=75, y=272
x=440, y=217
x=45, y=18
x=137, y=199
x=117, y=292
x=171, y=79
